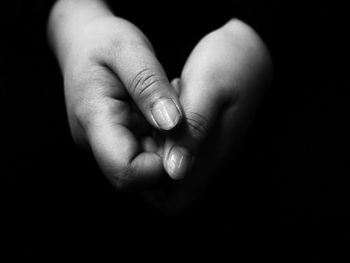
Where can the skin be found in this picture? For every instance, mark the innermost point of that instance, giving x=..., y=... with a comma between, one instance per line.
x=220, y=87
x=146, y=133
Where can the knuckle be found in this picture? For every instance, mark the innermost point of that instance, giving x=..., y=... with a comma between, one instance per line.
x=145, y=83
x=123, y=180
x=197, y=125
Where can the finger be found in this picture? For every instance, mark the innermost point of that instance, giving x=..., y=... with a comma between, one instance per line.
x=120, y=157
x=147, y=83
x=201, y=107
x=223, y=142
x=175, y=83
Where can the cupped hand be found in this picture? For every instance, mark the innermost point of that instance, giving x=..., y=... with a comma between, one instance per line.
x=117, y=93
x=220, y=88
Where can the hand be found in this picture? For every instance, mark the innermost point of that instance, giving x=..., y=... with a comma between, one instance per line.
x=219, y=89
x=117, y=93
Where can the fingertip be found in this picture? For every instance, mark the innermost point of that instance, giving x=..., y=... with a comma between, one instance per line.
x=178, y=163
x=149, y=144
x=166, y=114
x=175, y=83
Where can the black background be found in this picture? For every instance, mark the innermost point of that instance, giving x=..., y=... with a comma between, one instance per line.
x=285, y=198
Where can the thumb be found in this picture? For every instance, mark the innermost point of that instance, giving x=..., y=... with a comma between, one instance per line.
x=201, y=105
x=145, y=80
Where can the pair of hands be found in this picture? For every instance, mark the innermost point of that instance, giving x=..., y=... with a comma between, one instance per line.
x=141, y=128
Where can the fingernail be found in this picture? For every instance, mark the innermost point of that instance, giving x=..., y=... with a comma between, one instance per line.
x=178, y=163
x=165, y=114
